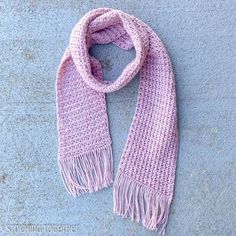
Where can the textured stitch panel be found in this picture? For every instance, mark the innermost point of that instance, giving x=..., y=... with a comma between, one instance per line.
x=83, y=118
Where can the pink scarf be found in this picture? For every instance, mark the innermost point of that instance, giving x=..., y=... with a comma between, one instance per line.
x=144, y=184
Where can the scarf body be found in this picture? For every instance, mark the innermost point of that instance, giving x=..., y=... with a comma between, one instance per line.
x=144, y=184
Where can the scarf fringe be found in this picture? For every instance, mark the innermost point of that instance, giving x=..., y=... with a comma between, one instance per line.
x=142, y=204
x=88, y=172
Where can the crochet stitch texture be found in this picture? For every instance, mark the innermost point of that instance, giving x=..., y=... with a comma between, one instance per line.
x=144, y=184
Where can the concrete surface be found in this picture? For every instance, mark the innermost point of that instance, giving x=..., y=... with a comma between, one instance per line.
x=200, y=36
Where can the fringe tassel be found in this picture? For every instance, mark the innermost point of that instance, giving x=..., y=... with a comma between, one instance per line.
x=88, y=172
x=141, y=204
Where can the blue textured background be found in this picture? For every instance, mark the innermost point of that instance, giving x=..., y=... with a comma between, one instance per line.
x=200, y=37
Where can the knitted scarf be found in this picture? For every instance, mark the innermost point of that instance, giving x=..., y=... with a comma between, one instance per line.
x=143, y=186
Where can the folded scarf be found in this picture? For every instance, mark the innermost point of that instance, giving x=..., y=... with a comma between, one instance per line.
x=144, y=184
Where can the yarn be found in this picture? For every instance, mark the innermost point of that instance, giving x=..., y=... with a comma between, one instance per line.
x=144, y=184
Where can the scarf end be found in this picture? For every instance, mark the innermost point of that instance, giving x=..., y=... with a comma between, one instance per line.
x=89, y=172
x=142, y=204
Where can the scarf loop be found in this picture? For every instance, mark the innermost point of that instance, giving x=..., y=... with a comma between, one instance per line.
x=144, y=183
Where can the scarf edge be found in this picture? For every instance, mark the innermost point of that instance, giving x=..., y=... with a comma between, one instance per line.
x=93, y=171
x=140, y=203
x=87, y=173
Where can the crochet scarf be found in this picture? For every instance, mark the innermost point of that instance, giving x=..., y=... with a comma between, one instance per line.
x=143, y=186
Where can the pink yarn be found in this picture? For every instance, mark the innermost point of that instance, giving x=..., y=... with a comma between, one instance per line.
x=143, y=187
